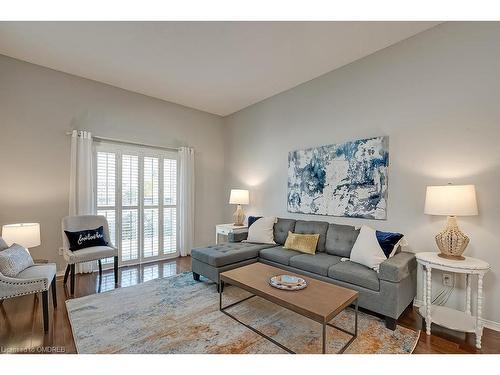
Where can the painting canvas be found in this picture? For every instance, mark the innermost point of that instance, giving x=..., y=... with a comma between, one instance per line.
x=345, y=179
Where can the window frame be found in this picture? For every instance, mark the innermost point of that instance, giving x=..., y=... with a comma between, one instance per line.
x=119, y=150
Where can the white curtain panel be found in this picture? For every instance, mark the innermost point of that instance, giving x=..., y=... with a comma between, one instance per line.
x=81, y=185
x=186, y=200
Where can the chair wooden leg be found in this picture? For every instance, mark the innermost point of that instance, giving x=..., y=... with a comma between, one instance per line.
x=54, y=294
x=100, y=268
x=72, y=288
x=116, y=269
x=66, y=273
x=45, y=305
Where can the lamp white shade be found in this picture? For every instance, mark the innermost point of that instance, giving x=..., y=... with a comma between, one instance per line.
x=451, y=200
x=24, y=234
x=239, y=196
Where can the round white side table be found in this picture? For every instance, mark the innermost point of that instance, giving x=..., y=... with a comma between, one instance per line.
x=444, y=316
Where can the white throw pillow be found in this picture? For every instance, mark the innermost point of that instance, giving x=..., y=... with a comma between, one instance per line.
x=367, y=250
x=262, y=231
x=14, y=260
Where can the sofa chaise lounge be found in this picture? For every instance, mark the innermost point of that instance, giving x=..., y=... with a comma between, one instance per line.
x=387, y=292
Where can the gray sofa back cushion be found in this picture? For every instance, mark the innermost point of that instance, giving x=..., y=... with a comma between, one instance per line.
x=313, y=227
x=281, y=229
x=340, y=239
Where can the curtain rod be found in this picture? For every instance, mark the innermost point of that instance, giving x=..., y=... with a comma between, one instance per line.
x=106, y=139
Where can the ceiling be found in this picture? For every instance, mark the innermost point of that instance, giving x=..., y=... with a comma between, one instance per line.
x=217, y=67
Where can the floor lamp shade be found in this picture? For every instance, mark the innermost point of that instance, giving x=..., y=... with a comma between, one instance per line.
x=24, y=234
x=451, y=201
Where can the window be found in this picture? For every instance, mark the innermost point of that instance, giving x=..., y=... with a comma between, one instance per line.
x=137, y=192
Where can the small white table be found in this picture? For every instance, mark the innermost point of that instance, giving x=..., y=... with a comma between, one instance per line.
x=444, y=316
x=225, y=229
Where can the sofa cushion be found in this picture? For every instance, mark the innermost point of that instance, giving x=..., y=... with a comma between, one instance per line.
x=278, y=254
x=390, y=242
x=354, y=273
x=227, y=253
x=313, y=227
x=281, y=229
x=86, y=238
x=367, y=250
x=318, y=263
x=340, y=239
x=252, y=219
x=262, y=231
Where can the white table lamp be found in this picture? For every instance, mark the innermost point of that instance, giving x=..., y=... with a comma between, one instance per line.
x=451, y=201
x=239, y=197
x=24, y=234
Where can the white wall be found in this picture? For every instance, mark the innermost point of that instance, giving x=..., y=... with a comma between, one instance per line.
x=38, y=106
x=435, y=95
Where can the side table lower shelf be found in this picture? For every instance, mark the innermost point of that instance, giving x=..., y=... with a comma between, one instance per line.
x=464, y=321
x=451, y=318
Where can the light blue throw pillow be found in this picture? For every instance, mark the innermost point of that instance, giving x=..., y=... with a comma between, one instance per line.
x=3, y=244
x=14, y=260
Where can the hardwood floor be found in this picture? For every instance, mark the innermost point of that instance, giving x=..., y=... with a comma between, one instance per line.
x=21, y=326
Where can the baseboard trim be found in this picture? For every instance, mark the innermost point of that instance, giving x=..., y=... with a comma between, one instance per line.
x=495, y=326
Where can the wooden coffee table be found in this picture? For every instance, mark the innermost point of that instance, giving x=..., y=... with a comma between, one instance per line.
x=319, y=301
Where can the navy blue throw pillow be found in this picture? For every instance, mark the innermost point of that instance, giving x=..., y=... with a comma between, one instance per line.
x=252, y=219
x=387, y=241
x=86, y=238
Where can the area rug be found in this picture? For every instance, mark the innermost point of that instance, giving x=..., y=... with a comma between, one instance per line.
x=180, y=315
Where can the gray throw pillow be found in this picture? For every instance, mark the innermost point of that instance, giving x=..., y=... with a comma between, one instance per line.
x=3, y=244
x=14, y=260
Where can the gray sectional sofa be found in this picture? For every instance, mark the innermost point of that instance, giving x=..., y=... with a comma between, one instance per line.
x=387, y=292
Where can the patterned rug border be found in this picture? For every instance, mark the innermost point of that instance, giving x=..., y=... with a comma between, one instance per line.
x=116, y=290
x=419, y=331
x=71, y=325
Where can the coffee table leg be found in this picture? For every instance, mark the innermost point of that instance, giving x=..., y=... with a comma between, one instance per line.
x=352, y=334
x=221, y=288
x=324, y=338
x=356, y=319
x=223, y=310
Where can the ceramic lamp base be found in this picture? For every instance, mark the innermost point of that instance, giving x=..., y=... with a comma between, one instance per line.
x=451, y=241
x=239, y=216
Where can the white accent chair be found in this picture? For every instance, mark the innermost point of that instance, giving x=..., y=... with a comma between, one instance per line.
x=35, y=279
x=86, y=222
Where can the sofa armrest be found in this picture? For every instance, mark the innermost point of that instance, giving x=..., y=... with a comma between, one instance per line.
x=237, y=237
x=398, y=267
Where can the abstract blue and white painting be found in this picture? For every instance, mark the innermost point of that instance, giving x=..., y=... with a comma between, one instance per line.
x=345, y=179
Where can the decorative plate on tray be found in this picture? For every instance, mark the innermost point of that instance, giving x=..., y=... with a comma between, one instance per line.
x=287, y=282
